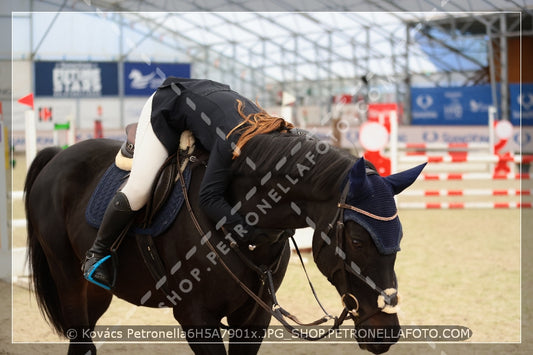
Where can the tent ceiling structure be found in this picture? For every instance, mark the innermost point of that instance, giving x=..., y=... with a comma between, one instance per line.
x=320, y=46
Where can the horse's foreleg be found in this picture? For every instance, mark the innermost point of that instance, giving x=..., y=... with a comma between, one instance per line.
x=248, y=327
x=201, y=330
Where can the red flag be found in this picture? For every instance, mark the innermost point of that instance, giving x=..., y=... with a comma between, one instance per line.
x=27, y=100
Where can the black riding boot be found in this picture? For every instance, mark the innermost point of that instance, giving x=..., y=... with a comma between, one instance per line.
x=98, y=265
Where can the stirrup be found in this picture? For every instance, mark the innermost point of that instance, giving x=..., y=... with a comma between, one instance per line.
x=88, y=274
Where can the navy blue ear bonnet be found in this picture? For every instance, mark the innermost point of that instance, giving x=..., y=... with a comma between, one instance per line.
x=373, y=196
x=379, y=201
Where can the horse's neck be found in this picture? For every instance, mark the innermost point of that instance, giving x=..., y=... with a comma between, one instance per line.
x=283, y=202
x=296, y=184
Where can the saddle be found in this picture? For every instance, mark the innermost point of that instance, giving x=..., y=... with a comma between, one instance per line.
x=167, y=175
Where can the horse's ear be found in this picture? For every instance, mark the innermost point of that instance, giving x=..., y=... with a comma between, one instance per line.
x=403, y=180
x=358, y=176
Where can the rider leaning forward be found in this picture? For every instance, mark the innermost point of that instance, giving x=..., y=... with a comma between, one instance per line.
x=221, y=119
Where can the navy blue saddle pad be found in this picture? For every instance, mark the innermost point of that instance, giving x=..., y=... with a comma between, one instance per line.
x=108, y=186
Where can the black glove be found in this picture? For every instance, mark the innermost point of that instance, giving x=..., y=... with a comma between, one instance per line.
x=270, y=235
x=242, y=233
x=249, y=235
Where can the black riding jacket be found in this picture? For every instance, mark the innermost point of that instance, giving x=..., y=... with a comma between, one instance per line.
x=209, y=110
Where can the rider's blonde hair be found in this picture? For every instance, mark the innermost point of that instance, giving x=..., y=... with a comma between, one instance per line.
x=254, y=124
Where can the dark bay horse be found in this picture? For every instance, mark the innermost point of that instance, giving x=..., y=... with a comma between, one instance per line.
x=280, y=181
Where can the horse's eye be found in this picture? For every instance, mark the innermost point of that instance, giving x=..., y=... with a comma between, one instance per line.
x=357, y=243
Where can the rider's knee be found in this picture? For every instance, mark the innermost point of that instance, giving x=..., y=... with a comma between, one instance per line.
x=137, y=196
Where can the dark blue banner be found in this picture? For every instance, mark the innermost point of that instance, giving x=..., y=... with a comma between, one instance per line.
x=522, y=101
x=451, y=106
x=76, y=79
x=141, y=79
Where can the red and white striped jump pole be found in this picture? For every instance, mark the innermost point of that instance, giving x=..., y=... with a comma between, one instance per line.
x=456, y=148
x=474, y=176
x=463, y=205
x=469, y=192
x=504, y=158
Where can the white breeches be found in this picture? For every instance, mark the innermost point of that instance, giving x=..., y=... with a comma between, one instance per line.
x=148, y=157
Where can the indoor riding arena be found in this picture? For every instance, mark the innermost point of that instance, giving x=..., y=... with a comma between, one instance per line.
x=444, y=83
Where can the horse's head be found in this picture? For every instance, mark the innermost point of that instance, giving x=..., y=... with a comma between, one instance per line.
x=358, y=251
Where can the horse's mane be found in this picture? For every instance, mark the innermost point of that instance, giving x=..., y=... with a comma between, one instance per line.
x=266, y=152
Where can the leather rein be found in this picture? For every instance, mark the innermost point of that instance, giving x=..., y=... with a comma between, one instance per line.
x=265, y=274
